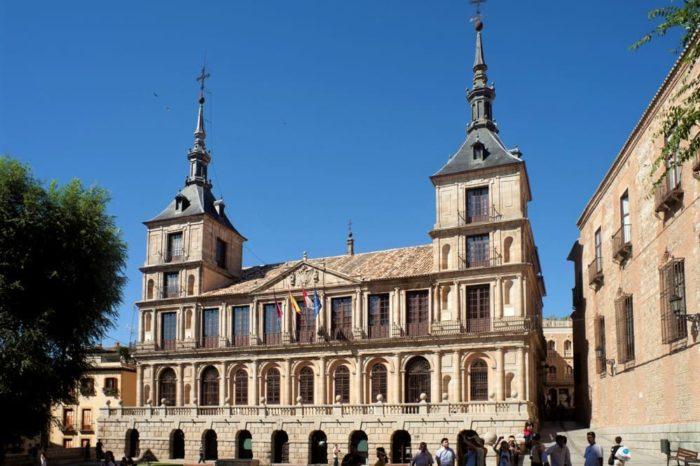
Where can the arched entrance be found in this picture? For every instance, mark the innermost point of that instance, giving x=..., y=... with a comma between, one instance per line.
x=358, y=440
x=401, y=447
x=417, y=379
x=463, y=438
x=177, y=444
x=318, y=447
x=210, y=444
x=280, y=447
x=244, y=445
x=131, y=446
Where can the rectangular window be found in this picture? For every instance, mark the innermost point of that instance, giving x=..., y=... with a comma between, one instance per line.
x=477, y=205
x=478, y=251
x=175, y=250
x=341, y=318
x=241, y=327
x=86, y=423
x=220, y=253
x=272, y=334
x=598, y=251
x=625, y=328
x=85, y=443
x=478, y=309
x=169, y=330
x=305, y=323
x=68, y=419
x=601, y=353
x=417, y=312
x=67, y=443
x=171, y=285
x=378, y=315
x=673, y=305
x=625, y=221
x=210, y=328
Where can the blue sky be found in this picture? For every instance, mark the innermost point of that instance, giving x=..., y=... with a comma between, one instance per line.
x=322, y=110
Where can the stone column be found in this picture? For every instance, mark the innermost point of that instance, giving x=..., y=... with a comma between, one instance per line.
x=359, y=397
x=397, y=379
x=457, y=376
x=436, y=379
x=500, y=375
x=322, y=380
x=253, y=318
x=521, y=373
x=195, y=385
x=154, y=401
x=254, y=386
x=524, y=309
x=178, y=385
x=498, y=299
x=287, y=388
x=139, y=386
x=527, y=375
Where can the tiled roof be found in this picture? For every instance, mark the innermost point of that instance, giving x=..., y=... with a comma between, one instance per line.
x=391, y=263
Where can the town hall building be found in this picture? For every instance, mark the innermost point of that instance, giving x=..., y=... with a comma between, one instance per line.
x=387, y=349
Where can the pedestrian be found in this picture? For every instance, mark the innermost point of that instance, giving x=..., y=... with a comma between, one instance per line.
x=536, y=451
x=124, y=461
x=593, y=456
x=445, y=456
x=481, y=452
x=514, y=449
x=504, y=455
x=612, y=460
x=422, y=458
x=353, y=458
x=381, y=457
x=109, y=459
x=42, y=459
x=470, y=457
x=528, y=432
x=86, y=452
x=557, y=453
x=201, y=454
x=98, y=450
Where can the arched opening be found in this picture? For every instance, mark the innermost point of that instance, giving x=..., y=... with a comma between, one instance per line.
x=417, y=379
x=149, y=289
x=306, y=385
x=210, y=444
x=552, y=396
x=280, y=447
x=551, y=345
x=147, y=322
x=177, y=444
x=244, y=445
x=401, y=447
x=240, y=387
x=190, y=285
x=464, y=438
x=478, y=381
x=358, y=441
x=378, y=382
x=272, y=386
x=188, y=319
x=186, y=394
x=131, y=445
x=341, y=384
x=507, y=292
x=445, y=298
x=446, y=379
x=567, y=348
x=507, y=245
x=552, y=373
x=318, y=447
x=210, y=387
x=445, y=259
x=147, y=393
x=166, y=387
x=509, y=384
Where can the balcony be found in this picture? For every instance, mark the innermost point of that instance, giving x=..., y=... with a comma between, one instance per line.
x=240, y=340
x=341, y=333
x=477, y=325
x=210, y=341
x=306, y=336
x=111, y=391
x=68, y=427
x=87, y=429
x=417, y=329
x=272, y=338
x=487, y=259
x=175, y=255
x=595, y=272
x=487, y=214
x=622, y=243
x=171, y=292
x=168, y=345
x=669, y=193
x=378, y=331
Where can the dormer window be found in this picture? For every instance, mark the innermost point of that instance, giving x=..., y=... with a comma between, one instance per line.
x=479, y=151
x=181, y=203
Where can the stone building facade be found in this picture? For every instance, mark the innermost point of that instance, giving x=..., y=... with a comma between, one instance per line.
x=637, y=290
x=110, y=382
x=559, y=366
x=281, y=362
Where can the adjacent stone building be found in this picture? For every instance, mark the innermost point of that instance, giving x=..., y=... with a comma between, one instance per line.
x=637, y=291
x=280, y=362
x=559, y=367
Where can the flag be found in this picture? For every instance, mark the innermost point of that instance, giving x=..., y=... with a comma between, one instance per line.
x=308, y=304
x=278, y=305
x=317, y=304
x=293, y=303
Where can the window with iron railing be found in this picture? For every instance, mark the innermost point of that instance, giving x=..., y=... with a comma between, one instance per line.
x=210, y=328
x=673, y=303
x=171, y=285
x=175, y=247
x=168, y=338
x=341, y=318
x=240, y=391
x=210, y=387
x=478, y=251
x=167, y=387
x=624, y=323
x=305, y=323
x=417, y=312
x=272, y=387
x=272, y=328
x=477, y=205
x=111, y=387
x=241, y=328
x=478, y=309
x=378, y=382
x=306, y=385
x=87, y=386
x=478, y=381
x=378, y=316
x=341, y=384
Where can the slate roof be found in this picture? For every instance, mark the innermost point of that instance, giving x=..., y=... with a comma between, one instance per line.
x=201, y=201
x=392, y=263
x=463, y=159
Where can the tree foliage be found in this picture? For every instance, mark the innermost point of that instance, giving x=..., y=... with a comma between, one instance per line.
x=680, y=121
x=62, y=263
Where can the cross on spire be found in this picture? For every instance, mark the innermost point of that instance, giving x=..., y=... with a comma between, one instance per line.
x=203, y=76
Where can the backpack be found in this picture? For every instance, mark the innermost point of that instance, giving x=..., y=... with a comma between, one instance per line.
x=613, y=450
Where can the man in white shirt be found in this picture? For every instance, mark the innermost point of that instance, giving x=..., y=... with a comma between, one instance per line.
x=558, y=454
x=593, y=456
x=445, y=456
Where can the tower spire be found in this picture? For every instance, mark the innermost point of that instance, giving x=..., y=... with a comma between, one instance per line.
x=481, y=95
x=198, y=156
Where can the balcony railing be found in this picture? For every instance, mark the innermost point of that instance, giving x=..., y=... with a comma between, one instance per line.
x=168, y=345
x=487, y=259
x=175, y=255
x=595, y=271
x=669, y=192
x=111, y=391
x=341, y=333
x=272, y=338
x=210, y=342
x=489, y=214
x=306, y=336
x=241, y=340
x=171, y=292
x=417, y=329
x=378, y=331
x=481, y=325
x=87, y=428
x=622, y=243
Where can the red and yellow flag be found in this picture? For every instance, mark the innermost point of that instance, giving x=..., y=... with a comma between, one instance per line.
x=294, y=304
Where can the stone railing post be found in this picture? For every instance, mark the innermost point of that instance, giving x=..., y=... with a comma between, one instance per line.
x=423, y=404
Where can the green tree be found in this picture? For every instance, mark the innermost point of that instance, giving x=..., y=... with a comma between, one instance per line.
x=680, y=121
x=62, y=262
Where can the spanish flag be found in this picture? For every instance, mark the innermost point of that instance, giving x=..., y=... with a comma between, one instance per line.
x=293, y=303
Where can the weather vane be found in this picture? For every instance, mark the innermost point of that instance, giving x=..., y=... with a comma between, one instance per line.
x=477, y=17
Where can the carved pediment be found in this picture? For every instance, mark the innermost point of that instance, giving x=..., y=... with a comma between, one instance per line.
x=308, y=276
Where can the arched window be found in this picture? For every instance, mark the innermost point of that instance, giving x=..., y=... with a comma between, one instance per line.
x=210, y=444
x=240, y=387
x=507, y=244
x=507, y=292
x=306, y=385
x=478, y=381
x=318, y=447
x=272, y=387
x=190, y=285
x=147, y=322
x=445, y=298
x=177, y=444
x=417, y=379
x=280, y=447
x=166, y=387
x=131, y=444
x=567, y=347
x=210, y=387
x=551, y=345
x=244, y=445
x=569, y=370
x=445, y=259
x=149, y=289
x=378, y=382
x=552, y=372
x=341, y=384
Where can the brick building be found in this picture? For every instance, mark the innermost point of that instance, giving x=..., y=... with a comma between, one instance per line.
x=390, y=348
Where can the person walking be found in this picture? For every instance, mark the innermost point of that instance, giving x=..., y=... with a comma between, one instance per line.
x=612, y=461
x=445, y=456
x=593, y=456
x=98, y=450
x=528, y=433
x=504, y=455
x=422, y=458
x=381, y=457
x=336, y=454
x=201, y=454
x=536, y=451
x=353, y=458
x=558, y=453
x=42, y=459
